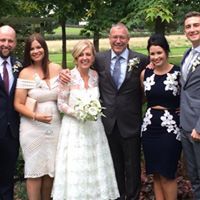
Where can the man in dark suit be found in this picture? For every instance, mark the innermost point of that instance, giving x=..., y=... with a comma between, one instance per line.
x=190, y=101
x=123, y=103
x=9, y=118
x=119, y=82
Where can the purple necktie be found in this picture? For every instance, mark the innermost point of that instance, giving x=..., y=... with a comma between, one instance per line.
x=5, y=76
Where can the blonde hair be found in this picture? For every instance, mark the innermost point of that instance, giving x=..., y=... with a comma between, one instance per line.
x=80, y=46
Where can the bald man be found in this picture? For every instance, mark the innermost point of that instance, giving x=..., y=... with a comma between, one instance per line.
x=9, y=118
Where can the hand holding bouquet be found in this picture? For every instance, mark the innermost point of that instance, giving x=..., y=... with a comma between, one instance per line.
x=88, y=110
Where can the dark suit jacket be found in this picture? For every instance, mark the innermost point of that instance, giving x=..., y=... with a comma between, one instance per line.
x=124, y=105
x=9, y=118
x=190, y=99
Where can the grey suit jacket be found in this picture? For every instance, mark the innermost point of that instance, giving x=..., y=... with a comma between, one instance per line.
x=190, y=99
x=123, y=106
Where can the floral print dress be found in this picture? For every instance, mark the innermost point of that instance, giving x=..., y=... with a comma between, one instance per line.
x=160, y=129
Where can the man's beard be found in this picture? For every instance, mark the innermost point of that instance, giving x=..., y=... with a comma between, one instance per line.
x=4, y=56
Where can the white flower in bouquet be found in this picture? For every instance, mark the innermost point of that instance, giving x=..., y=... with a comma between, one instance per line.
x=88, y=110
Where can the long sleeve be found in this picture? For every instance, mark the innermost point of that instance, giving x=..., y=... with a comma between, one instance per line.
x=63, y=99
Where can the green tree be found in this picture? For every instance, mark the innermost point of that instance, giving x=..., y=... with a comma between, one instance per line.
x=101, y=14
x=60, y=10
x=156, y=14
x=159, y=15
x=19, y=17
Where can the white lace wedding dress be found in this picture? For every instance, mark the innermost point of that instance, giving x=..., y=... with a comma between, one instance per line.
x=39, y=140
x=84, y=168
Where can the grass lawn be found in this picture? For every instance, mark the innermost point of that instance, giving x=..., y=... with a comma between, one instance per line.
x=69, y=31
x=57, y=58
x=178, y=44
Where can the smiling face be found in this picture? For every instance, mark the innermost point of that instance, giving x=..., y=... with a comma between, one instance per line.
x=158, y=56
x=7, y=41
x=36, y=51
x=119, y=39
x=85, y=59
x=192, y=30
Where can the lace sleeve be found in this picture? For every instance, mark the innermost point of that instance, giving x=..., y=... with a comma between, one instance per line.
x=63, y=99
x=25, y=84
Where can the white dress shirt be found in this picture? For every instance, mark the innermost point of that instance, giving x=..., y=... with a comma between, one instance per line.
x=9, y=68
x=123, y=64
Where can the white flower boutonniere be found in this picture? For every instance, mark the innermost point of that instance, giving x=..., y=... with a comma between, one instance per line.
x=195, y=63
x=133, y=63
x=16, y=67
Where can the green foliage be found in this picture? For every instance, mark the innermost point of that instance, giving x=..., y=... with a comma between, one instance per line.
x=8, y=7
x=159, y=8
x=20, y=168
x=20, y=191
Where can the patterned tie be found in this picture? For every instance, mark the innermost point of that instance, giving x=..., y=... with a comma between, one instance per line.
x=5, y=76
x=117, y=71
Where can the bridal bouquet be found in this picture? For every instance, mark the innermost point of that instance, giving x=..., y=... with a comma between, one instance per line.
x=88, y=110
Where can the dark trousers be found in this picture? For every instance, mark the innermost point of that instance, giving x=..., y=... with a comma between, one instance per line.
x=126, y=158
x=9, y=149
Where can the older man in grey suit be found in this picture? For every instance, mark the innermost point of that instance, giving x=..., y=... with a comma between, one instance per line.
x=119, y=82
x=190, y=101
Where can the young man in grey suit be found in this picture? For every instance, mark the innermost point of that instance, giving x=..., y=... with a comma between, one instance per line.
x=9, y=118
x=119, y=82
x=190, y=101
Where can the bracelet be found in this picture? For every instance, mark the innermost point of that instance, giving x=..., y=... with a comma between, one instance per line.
x=34, y=116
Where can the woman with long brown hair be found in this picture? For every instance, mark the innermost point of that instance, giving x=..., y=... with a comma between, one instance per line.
x=39, y=127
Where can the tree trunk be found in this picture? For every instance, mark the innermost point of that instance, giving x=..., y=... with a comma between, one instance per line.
x=159, y=26
x=64, y=44
x=96, y=40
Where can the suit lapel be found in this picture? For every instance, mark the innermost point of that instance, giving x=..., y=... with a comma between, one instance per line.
x=15, y=75
x=190, y=73
x=128, y=73
x=183, y=82
x=2, y=87
x=107, y=65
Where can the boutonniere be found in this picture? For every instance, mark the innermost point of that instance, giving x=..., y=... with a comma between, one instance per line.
x=133, y=63
x=195, y=63
x=16, y=67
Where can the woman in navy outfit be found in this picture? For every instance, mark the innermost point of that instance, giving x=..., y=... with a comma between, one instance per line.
x=160, y=129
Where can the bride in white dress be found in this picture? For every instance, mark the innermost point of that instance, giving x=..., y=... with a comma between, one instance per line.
x=84, y=168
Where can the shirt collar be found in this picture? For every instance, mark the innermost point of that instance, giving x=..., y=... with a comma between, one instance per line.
x=7, y=59
x=124, y=54
x=197, y=49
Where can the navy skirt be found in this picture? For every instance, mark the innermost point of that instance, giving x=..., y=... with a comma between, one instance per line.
x=161, y=142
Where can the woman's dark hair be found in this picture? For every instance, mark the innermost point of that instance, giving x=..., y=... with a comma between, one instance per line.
x=27, y=57
x=158, y=40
